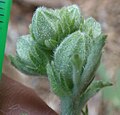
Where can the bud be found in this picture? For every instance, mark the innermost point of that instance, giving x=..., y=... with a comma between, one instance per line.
x=78, y=56
x=50, y=26
x=30, y=58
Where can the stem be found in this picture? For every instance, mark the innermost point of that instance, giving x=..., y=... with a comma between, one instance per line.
x=70, y=106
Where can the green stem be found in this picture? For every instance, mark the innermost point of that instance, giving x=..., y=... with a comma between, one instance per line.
x=70, y=106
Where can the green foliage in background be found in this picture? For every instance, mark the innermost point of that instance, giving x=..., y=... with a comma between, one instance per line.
x=67, y=48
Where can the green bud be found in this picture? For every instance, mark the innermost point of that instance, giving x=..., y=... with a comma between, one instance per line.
x=30, y=58
x=78, y=56
x=73, y=44
x=50, y=26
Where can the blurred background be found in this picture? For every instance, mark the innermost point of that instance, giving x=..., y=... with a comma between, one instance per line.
x=107, y=12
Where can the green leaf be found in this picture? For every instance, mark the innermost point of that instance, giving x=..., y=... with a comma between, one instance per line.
x=94, y=88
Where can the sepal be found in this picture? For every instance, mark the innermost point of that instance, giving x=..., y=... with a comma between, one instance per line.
x=58, y=83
